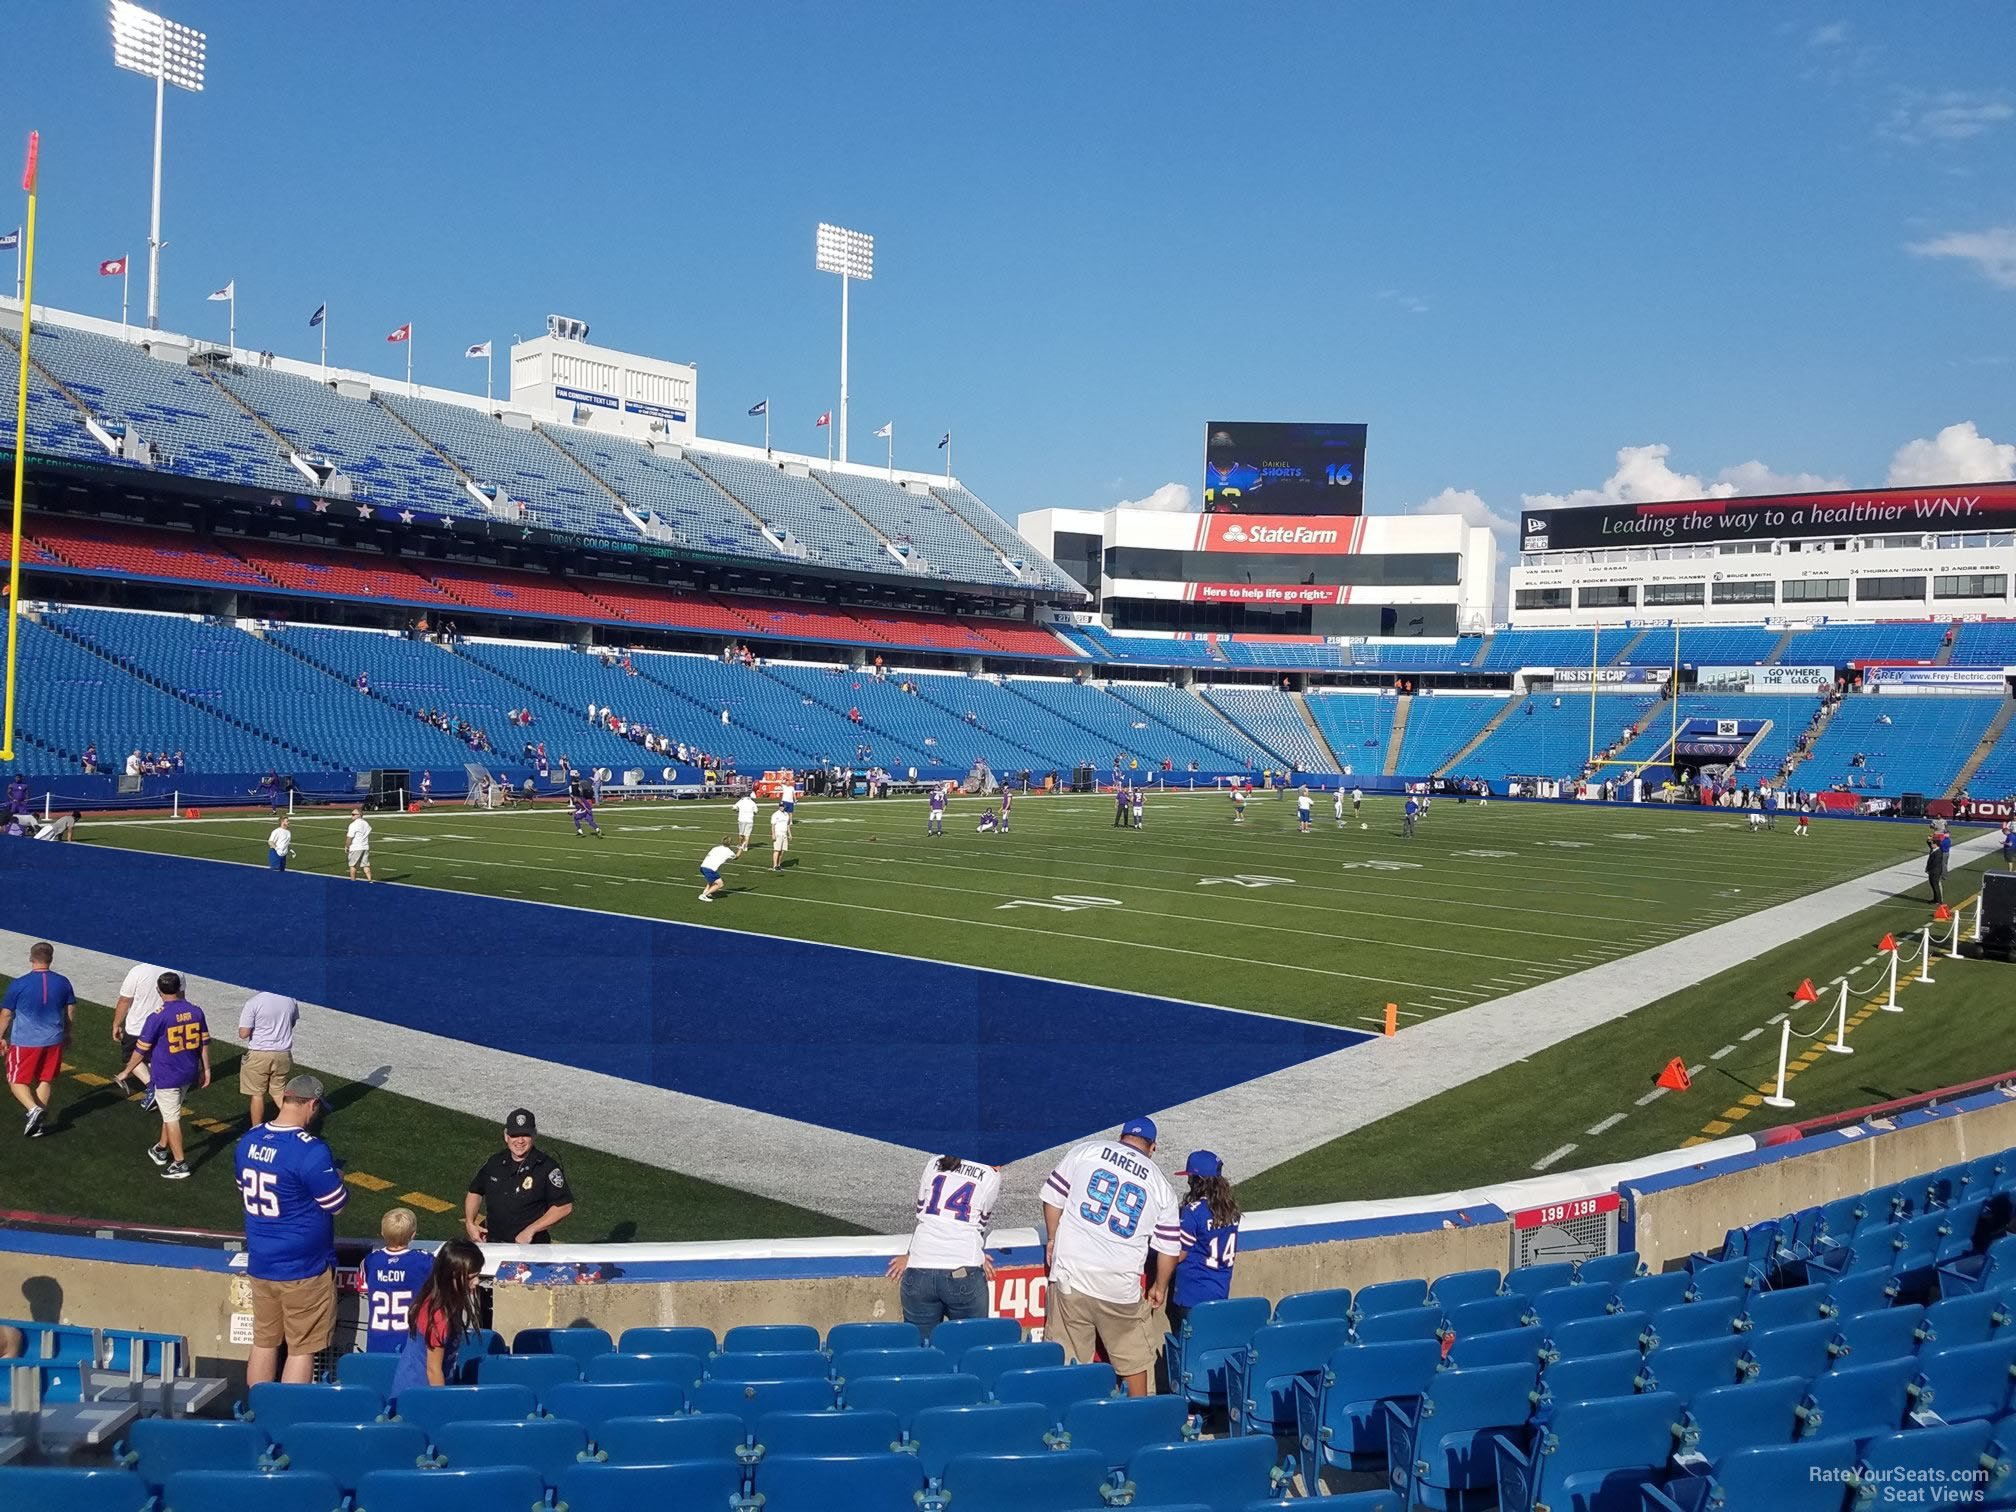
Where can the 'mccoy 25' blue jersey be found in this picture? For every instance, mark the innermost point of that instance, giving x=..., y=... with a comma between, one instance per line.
x=390, y=1281
x=292, y=1194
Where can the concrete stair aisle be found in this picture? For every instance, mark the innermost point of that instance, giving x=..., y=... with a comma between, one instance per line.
x=1798, y=757
x=1945, y=656
x=1483, y=650
x=1624, y=651
x=1778, y=651
x=1405, y=706
x=1480, y=737
x=1986, y=744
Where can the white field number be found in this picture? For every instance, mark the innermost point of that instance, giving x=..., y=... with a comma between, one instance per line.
x=1246, y=879
x=1062, y=902
x=1382, y=866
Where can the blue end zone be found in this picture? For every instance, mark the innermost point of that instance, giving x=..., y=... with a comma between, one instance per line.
x=915, y=1052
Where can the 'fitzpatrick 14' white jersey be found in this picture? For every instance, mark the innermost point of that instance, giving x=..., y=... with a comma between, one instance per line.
x=955, y=1209
x=1114, y=1205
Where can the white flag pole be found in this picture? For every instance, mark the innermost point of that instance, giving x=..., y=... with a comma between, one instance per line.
x=125, y=281
x=17, y=262
x=948, y=456
x=409, y=359
x=892, y=451
x=325, y=340
x=489, y=370
x=231, y=328
x=766, y=427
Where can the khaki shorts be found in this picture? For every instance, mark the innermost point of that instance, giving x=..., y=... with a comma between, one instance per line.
x=264, y=1073
x=299, y=1314
x=1081, y=1323
x=168, y=1103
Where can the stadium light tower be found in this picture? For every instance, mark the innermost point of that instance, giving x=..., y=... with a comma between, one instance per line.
x=168, y=53
x=851, y=254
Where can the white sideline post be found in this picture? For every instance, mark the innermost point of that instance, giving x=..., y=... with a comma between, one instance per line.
x=1980, y=898
x=1892, y=1006
x=175, y=804
x=1925, y=955
x=1779, y=1099
x=1841, y=1045
x=1953, y=946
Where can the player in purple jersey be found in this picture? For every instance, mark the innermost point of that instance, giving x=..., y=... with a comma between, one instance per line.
x=935, y=823
x=582, y=796
x=175, y=1044
x=1007, y=802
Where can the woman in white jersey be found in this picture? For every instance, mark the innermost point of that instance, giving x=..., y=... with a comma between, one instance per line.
x=946, y=1269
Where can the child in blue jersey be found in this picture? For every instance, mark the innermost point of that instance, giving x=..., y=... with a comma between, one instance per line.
x=935, y=823
x=1210, y=1222
x=390, y=1279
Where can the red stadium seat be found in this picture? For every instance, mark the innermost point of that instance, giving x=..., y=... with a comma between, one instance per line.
x=136, y=551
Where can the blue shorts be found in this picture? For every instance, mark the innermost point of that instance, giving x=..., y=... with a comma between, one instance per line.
x=789, y=808
x=275, y=860
x=710, y=873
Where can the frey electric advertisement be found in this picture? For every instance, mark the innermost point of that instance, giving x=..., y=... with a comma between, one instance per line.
x=1284, y=468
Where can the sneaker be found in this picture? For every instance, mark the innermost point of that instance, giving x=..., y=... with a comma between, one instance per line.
x=147, y=1102
x=706, y=897
x=33, y=1126
x=175, y=1170
x=124, y=1084
x=158, y=1154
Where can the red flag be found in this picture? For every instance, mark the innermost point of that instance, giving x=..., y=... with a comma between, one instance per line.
x=825, y=419
x=34, y=154
x=404, y=333
x=112, y=269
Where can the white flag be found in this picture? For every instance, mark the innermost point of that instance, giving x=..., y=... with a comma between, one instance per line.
x=481, y=349
x=229, y=291
x=886, y=432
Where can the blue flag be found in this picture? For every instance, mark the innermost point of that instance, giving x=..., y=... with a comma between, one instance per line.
x=316, y=319
x=760, y=407
x=11, y=239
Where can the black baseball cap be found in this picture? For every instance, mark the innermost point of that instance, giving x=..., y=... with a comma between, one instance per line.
x=519, y=1121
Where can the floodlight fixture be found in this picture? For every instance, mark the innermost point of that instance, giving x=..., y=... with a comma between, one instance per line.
x=851, y=254
x=167, y=52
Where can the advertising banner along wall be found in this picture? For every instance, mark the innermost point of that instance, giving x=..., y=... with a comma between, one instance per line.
x=1945, y=679
x=1762, y=679
x=1765, y=517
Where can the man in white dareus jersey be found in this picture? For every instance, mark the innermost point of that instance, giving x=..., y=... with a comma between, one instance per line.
x=1104, y=1208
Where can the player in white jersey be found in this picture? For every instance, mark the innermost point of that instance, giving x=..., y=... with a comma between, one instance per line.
x=1302, y=810
x=1104, y=1208
x=710, y=867
x=745, y=821
x=1337, y=806
x=357, y=843
x=139, y=1000
x=780, y=838
x=946, y=1268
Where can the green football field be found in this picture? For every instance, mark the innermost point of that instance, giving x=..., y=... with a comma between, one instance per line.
x=1484, y=901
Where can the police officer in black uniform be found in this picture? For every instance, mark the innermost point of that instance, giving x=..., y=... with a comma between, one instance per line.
x=521, y=1190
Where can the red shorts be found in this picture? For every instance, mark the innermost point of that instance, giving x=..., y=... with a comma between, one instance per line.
x=28, y=1064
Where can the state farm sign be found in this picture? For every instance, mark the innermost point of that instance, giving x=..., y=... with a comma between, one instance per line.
x=1285, y=534
x=1256, y=593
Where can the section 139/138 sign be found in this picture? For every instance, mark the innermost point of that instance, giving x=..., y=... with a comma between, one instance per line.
x=1764, y=517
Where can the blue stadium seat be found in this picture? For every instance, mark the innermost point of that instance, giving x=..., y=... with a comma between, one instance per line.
x=915, y=1360
x=547, y=1445
x=1992, y=1270
x=1591, y=1456
x=1260, y=1379
x=1459, y=1287
x=685, y=1369
x=1610, y=1270
x=1857, y=1401
x=1882, y=1334
x=1968, y=1382
x=889, y=1334
x=493, y=1488
x=1300, y=1307
x=1561, y=1305
x=1224, y=1474
x=906, y=1396
x=1056, y=1387
x=1443, y=1447
x=957, y=1335
x=1800, y=1349
x=1700, y=1322
x=476, y=1344
x=1401, y=1323
x=987, y=1362
x=769, y=1365
x=430, y=1408
x=677, y=1436
x=1808, y=1476
x=1510, y=1346
x=1723, y=1419
x=1053, y=1481
x=827, y=1432
x=346, y=1452
x=593, y=1403
x=1948, y=1456
x=1338, y=1417
x=372, y=1371
x=697, y=1483
x=769, y=1338
x=883, y=1482
x=749, y=1400
x=1973, y=1318
x=1531, y=1280
x=1651, y=1294
x=1600, y=1335
x=1586, y=1378
x=1687, y=1368
x=537, y=1371
x=939, y=1435
x=1722, y=1280
x=1114, y=1427
x=1486, y=1315
x=684, y=1339
x=1794, y=1304
x=580, y=1342
x=66, y=1490
x=1195, y=1354
x=1364, y=1501
x=277, y=1405
x=161, y=1446
x=250, y=1491
x=1389, y=1296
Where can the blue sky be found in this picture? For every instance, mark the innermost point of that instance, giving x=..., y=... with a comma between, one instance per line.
x=1515, y=240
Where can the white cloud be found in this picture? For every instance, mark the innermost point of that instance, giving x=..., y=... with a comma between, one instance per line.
x=1470, y=504
x=1958, y=454
x=1833, y=34
x=1920, y=120
x=1413, y=304
x=1993, y=251
x=1171, y=498
x=1644, y=476
x=1756, y=478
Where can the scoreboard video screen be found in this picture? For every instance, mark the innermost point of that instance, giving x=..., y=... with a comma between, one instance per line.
x=1284, y=468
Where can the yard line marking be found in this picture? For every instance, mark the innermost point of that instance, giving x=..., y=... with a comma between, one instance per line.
x=1697, y=1070
x=1752, y=1034
x=1650, y=1097
x=1725, y=1050
x=1609, y=1123
x=1553, y=1155
x=1776, y=1018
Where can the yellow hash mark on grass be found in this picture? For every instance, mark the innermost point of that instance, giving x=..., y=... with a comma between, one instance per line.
x=1732, y=1114
x=423, y=1200
x=1715, y=1126
x=367, y=1181
x=1754, y=1100
x=92, y=1078
x=1688, y=1144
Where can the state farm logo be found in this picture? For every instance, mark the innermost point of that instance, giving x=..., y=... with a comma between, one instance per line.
x=1277, y=533
x=1234, y=533
x=1295, y=535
